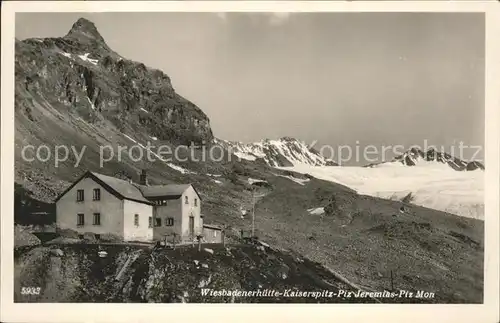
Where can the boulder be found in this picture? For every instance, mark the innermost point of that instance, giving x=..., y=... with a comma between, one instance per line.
x=68, y=233
x=24, y=238
x=109, y=237
x=284, y=271
x=57, y=252
x=89, y=236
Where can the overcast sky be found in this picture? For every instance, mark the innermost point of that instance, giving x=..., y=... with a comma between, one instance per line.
x=336, y=78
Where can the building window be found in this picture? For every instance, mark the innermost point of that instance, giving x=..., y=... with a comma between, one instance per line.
x=97, y=219
x=97, y=194
x=215, y=233
x=80, y=195
x=150, y=222
x=136, y=220
x=186, y=201
x=80, y=219
x=158, y=222
x=169, y=222
x=97, y=236
x=195, y=202
x=161, y=202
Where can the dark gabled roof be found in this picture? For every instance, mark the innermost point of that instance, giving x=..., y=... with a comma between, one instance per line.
x=173, y=190
x=123, y=189
x=213, y=226
x=120, y=188
x=170, y=191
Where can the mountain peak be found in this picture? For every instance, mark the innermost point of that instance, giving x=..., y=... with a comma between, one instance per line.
x=288, y=139
x=282, y=152
x=416, y=155
x=84, y=28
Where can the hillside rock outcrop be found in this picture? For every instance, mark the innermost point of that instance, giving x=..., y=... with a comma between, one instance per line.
x=79, y=74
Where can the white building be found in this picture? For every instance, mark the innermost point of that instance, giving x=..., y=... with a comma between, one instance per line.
x=101, y=204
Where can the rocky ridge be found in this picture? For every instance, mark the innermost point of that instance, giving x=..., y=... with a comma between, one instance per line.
x=282, y=152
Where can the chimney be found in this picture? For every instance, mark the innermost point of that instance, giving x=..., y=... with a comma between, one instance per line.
x=144, y=178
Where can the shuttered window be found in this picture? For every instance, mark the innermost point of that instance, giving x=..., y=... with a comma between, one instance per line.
x=97, y=219
x=80, y=195
x=97, y=194
x=80, y=219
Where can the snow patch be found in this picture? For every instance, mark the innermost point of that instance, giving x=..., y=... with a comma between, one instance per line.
x=264, y=244
x=85, y=57
x=173, y=166
x=316, y=210
x=130, y=138
x=295, y=179
x=154, y=138
x=142, y=146
x=245, y=156
x=142, y=109
x=180, y=169
x=68, y=55
x=209, y=250
x=102, y=254
x=252, y=181
x=217, y=181
x=91, y=104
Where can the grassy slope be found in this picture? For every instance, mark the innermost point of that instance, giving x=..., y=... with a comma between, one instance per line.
x=425, y=249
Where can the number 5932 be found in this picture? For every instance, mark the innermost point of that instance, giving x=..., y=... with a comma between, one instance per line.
x=30, y=290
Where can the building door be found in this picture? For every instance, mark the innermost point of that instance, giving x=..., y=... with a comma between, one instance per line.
x=191, y=226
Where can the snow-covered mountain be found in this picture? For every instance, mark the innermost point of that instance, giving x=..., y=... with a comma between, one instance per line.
x=283, y=152
x=436, y=180
x=416, y=156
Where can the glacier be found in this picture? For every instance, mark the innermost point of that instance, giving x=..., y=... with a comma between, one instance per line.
x=432, y=184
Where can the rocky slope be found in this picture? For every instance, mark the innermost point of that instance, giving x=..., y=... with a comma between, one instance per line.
x=283, y=152
x=80, y=75
x=76, y=273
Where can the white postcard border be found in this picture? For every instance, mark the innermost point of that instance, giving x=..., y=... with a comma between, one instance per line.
x=71, y=312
